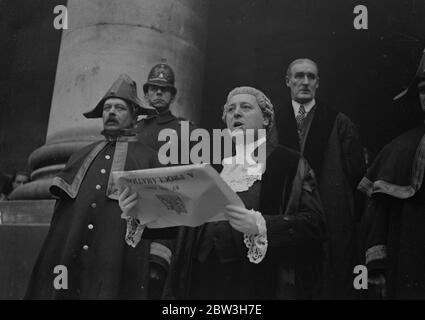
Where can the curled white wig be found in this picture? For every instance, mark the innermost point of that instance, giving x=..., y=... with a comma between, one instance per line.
x=262, y=100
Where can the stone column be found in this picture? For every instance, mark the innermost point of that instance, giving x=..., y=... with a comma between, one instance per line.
x=104, y=39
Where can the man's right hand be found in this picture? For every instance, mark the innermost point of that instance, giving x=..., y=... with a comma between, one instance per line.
x=127, y=201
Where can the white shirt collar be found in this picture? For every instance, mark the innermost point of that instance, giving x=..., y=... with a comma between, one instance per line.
x=307, y=106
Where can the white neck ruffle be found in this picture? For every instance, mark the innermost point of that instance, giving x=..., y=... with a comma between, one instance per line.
x=239, y=171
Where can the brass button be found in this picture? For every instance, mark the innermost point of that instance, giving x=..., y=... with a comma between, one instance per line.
x=90, y=226
x=98, y=187
x=93, y=205
x=85, y=247
x=103, y=171
x=107, y=157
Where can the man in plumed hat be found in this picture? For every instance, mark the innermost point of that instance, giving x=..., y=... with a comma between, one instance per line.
x=87, y=236
x=395, y=214
x=160, y=93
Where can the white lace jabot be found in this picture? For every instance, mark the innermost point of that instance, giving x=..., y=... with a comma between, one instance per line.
x=240, y=173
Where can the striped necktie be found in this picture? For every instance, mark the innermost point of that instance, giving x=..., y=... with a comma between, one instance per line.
x=302, y=114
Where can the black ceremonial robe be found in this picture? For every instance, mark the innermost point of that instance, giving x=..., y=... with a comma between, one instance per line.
x=395, y=216
x=87, y=234
x=289, y=202
x=334, y=151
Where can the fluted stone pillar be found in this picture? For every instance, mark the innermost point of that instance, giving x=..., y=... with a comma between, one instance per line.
x=104, y=39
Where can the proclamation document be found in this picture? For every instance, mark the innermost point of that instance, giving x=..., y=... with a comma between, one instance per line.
x=188, y=195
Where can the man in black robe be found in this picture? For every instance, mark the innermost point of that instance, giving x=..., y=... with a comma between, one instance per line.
x=213, y=262
x=329, y=141
x=87, y=235
x=395, y=214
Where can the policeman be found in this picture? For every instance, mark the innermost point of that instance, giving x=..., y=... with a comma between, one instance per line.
x=160, y=93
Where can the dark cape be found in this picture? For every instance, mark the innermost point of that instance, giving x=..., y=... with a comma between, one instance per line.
x=87, y=234
x=334, y=151
x=294, y=232
x=394, y=220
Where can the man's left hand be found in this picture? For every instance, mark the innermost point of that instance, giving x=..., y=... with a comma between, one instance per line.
x=241, y=219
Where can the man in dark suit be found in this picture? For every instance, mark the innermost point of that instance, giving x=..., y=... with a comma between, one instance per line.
x=330, y=143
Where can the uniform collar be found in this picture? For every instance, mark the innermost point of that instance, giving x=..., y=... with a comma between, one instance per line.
x=160, y=118
x=165, y=117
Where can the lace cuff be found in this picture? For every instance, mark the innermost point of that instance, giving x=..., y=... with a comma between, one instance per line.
x=134, y=231
x=257, y=243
